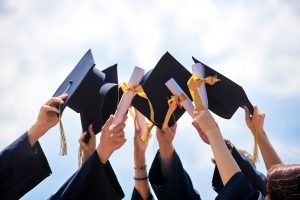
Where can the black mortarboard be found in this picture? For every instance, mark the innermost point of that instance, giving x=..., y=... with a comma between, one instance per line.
x=91, y=92
x=224, y=97
x=154, y=86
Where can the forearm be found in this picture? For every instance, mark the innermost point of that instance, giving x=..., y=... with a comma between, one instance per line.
x=166, y=151
x=268, y=152
x=35, y=133
x=224, y=160
x=140, y=172
x=102, y=154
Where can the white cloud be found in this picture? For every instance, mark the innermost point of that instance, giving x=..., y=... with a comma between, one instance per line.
x=256, y=44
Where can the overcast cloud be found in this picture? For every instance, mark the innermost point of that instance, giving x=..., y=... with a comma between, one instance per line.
x=255, y=43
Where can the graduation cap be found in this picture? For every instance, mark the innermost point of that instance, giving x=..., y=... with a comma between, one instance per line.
x=153, y=84
x=91, y=92
x=257, y=178
x=224, y=97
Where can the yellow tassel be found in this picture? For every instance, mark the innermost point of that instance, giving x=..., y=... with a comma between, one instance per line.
x=63, y=141
x=145, y=137
x=255, y=148
x=147, y=134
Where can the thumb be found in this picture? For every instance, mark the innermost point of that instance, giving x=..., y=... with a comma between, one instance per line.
x=108, y=122
x=82, y=136
x=247, y=114
x=92, y=134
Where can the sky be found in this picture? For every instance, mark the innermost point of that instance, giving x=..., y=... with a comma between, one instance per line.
x=255, y=43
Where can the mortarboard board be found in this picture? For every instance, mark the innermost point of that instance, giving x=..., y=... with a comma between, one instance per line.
x=153, y=84
x=224, y=97
x=91, y=92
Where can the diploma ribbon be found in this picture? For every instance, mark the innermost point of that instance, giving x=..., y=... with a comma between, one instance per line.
x=145, y=137
x=126, y=87
x=173, y=102
x=194, y=82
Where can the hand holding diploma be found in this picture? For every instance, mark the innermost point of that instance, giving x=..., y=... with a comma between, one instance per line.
x=129, y=93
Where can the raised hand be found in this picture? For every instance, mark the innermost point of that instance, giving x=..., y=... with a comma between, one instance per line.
x=87, y=148
x=255, y=122
x=47, y=118
x=205, y=125
x=112, y=138
x=165, y=138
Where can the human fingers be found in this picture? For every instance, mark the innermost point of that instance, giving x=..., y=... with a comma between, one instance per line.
x=195, y=112
x=117, y=128
x=255, y=112
x=81, y=138
x=119, y=144
x=108, y=123
x=119, y=134
x=63, y=96
x=174, y=127
x=47, y=108
x=91, y=131
x=247, y=114
x=54, y=101
x=119, y=139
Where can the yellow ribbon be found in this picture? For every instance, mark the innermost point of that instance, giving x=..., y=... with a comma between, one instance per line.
x=173, y=102
x=126, y=87
x=194, y=82
x=145, y=137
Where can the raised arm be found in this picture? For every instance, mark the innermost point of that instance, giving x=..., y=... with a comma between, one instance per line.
x=225, y=162
x=47, y=118
x=112, y=138
x=140, y=168
x=256, y=123
x=87, y=148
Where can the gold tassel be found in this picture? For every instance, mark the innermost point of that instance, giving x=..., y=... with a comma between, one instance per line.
x=63, y=141
x=173, y=102
x=138, y=89
x=147, y=134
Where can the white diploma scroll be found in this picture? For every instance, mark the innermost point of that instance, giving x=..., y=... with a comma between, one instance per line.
x=176, y=90
x=198, y=70
x=126, y=99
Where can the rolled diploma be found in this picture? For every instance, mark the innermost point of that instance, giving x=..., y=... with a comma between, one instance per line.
x=176, y=90
x=126, y=99
x=198, y=70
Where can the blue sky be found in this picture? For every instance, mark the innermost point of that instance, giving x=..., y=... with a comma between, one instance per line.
x=255, y=43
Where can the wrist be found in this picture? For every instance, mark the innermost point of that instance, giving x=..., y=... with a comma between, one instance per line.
x=166, y=151
x=40, y=128
x=214, y=134
x=215, y=138
x=103, y=155
x=35, y=133
x=138, y=161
